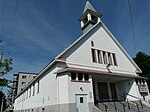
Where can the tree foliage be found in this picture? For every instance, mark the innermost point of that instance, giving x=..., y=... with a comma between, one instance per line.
x=143, y=61
x=5, y=67
x=2, y=95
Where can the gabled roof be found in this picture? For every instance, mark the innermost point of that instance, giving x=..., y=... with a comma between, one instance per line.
x=138, y=70
x=89, y=6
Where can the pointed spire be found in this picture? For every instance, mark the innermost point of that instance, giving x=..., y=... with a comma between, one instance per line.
x=88, y=6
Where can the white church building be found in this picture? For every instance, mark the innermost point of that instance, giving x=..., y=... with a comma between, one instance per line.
x=94, y=74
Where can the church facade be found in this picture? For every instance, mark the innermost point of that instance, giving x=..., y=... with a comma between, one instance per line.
x=93, y=70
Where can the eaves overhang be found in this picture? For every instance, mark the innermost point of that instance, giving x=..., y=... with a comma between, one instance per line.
x=69, y=69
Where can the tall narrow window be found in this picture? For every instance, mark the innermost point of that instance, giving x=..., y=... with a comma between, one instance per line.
x=114, y=58
x=94, y=55
x=92, y=43
x=38, y=87
x=80, y=76
x=33, y=89
x=30, y=92
x=73, y=76
x=99, y=56
x=86, y=77
x=104, y=57
x=109, y=59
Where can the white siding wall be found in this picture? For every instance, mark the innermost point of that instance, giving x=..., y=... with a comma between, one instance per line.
x=63, y=89
x=47, y=93
x=102, y=41
x=74, y=88
x=132, y=89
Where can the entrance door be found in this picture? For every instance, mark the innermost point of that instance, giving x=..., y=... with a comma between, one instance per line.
x=113, y=91
x=81, y=103
x=103, y=91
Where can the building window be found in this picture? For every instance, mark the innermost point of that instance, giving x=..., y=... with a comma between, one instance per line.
x=114, y=59
x=30, y=92
x=73, y=76
x=81, y=99
x=38, y=87
x=24, y=77
x=109, y=58
x=23, y=83
x=81, y=77
x=99, y=56
x=94, y=55
x=34, y=76
x=33, y=89
x=92, y=43
x=105, y=57
x=86, y=77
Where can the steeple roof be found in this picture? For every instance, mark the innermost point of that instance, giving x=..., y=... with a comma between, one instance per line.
x=88, y=6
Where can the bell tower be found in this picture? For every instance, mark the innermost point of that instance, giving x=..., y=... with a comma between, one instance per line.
x=89, y=17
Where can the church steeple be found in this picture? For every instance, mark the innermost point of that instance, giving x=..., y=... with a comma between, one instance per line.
x=88, y=6
x=89, y=17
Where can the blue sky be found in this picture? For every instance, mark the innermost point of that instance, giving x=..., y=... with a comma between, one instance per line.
x=41, y=29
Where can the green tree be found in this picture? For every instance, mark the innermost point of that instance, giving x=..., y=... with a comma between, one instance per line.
x=4, y=100
x=5, y=67
x=143, y=61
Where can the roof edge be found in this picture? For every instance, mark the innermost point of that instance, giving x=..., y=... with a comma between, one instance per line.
x=121, y=48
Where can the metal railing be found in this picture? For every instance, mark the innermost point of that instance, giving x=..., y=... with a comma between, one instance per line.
x=140, y=100
x=96, y=104
x=126, y=99
x=124, y=96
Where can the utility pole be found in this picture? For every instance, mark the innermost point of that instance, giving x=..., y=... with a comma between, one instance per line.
x=2, y=104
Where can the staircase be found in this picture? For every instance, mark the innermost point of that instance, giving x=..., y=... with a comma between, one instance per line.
x=125, y=105
x=122, y=106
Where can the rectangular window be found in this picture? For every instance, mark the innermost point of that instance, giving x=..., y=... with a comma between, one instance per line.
x=38, y=87
x=110, y=58
x=33, y=89
x=23, y=83
x=92, y=43
x=80, y=76
x=81, y=99
x=99, y=56
x=86, y=77
x=94, y=55
x=73, y=76
x=114, y=58
x=30, y=92
x=105, y=57
x=24, y=77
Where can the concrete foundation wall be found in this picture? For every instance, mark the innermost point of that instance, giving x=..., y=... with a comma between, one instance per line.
x=56, y=108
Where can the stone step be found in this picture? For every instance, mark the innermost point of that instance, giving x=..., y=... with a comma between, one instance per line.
x=119, y=107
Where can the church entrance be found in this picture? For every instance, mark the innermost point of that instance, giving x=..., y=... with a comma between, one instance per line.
x=107, y=91
x=103, y=91
x=113, y=91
